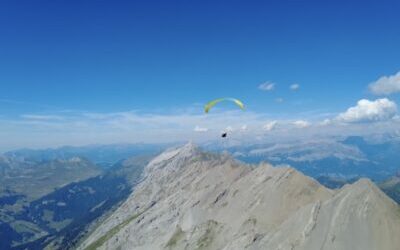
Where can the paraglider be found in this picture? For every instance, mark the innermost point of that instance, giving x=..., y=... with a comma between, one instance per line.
x=211, y=104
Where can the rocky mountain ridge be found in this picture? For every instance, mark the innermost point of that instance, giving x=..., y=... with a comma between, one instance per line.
x=190, y=199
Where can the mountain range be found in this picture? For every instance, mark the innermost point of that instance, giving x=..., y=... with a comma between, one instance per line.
x=191, y=199
x=345, y=158
x=102, y=155
x=60, y=198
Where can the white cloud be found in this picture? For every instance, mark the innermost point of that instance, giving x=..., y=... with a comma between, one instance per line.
x=279, y=100
x=326, y=122
x=294, y=87
x=266, y=86
x=80, y=128
x=366, y=110
x=301, y=124
x=229, y=129
x=41, y=117
x=200, y=129
x=396, y=118
x=270, y=125
x=386, y=85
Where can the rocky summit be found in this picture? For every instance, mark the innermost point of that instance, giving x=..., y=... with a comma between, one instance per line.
x=190, y=199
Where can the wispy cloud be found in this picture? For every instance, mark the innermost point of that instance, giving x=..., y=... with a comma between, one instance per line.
x=229, y=129
x=302, y=124
x=42, y=117
x=294, y=87
x=266, y=86
x=270, y=125
x=200, y=129
x=27, y=103
x=325, y=122
x=78, y=128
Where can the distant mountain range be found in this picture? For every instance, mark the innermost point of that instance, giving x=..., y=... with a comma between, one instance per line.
x=53, y=201
x=55, y=198
x=101, y=155
x=340, y=158
x=34, y=179
x=392, y=187
x=332, y=161
x=191, y=199
x=26, y=181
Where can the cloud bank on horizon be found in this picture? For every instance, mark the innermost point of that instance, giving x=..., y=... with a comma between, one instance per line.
x=80, y=127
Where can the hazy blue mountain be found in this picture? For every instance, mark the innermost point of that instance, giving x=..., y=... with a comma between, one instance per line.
x=335, y=182
x=101, y=155
x=334, y=162
x=348, y=158
x=392, y=187
x=61, y=217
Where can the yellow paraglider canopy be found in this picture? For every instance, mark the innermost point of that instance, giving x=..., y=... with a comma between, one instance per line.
x=211, y=104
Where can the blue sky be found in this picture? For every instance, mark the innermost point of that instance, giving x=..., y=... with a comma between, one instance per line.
x=67, y=59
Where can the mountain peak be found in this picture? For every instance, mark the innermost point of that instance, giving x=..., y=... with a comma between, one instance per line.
x=189, y=147
x=364, y=193
x=363, y=183
x=176, y=154
x=361, y=187
x=190, y=199
x=186, y=150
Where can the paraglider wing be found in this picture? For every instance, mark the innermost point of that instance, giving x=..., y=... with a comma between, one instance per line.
x=211, y=104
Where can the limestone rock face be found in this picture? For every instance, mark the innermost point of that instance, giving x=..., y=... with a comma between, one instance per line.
x=189, y=199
